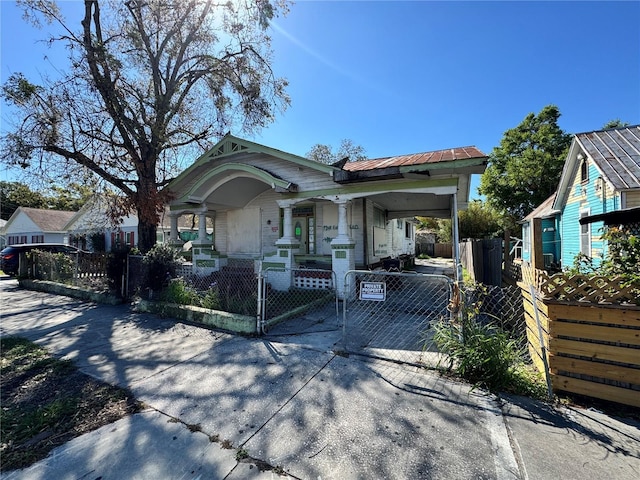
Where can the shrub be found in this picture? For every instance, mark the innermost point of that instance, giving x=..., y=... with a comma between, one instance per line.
x=211, y=299
x=161, y=263
x=178, y=291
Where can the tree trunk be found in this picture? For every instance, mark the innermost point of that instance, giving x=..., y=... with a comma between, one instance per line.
x=146, y=234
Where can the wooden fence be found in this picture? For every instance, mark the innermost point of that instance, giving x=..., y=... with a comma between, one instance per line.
x=483, y=260
x=590, y=348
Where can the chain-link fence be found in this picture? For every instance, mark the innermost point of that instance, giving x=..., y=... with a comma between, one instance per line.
x=300, y=295
x=499, y=306
x=391, y=315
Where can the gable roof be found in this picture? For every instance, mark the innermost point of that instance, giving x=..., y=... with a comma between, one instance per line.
x=615, y=152
x=46, y=220
x=544, y=210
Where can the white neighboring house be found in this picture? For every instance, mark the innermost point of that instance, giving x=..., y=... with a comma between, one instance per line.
x=35, y=225
x=91, y=229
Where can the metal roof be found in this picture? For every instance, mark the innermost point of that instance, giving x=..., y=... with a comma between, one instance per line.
x=438, y=156
x=616, y=152
x=544, y=210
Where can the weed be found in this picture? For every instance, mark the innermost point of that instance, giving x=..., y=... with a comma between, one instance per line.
x=241, y=454
x=194, y=427
x=226, y=444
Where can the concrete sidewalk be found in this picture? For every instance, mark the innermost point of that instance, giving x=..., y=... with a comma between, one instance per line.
x=224, y=406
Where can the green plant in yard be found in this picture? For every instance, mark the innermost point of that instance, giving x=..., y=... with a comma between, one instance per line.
x=178, y=291
x=481, y=354
x=161, y=262
x=211, y=299
x=479, y=350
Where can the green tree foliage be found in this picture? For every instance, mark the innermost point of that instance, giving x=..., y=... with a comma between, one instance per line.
x=16, y=194
x=71, y=198
x=615, y=123
x=479, y=220
x=347, y=149
x=149, y=84
x=525, y=169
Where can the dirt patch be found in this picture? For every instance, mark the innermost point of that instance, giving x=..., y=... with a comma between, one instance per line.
x=47, y=402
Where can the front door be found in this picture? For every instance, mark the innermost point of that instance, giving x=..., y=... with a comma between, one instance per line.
x=301, y=232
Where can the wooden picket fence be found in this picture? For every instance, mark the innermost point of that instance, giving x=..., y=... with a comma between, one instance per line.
x=588, y=334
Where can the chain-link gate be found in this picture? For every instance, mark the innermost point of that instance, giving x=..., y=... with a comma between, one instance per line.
x=300, y=295
x=390, y=315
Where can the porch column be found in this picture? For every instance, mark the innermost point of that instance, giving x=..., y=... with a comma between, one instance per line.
x=205, y=258
x=174, y=239
x=287, y=224
x=286, y=247
x=173, y=232
x=202, y=226
x=343, y=256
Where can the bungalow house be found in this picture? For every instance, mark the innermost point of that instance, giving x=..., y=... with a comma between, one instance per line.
x=601, y=175
x=274, y=209
x=35, y=225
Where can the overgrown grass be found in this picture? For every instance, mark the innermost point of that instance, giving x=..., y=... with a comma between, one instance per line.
x=46, y=402
x=486, y=356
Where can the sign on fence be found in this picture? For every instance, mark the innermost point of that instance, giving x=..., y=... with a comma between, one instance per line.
x=375, y=291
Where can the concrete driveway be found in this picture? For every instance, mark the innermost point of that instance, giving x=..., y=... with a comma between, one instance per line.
x=291, y=405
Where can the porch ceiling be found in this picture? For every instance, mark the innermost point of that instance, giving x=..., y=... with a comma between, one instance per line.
x=403, y=205
x=236, y=193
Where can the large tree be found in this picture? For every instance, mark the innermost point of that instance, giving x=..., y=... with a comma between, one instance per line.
x=150, y=83
x=347, y=149
x=525, y=168
x=16, y=194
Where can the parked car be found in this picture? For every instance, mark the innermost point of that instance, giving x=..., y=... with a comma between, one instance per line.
x=10, y=256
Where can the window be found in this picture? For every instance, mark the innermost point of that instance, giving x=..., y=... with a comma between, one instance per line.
x=379, y=219
x=584, y=171
x=585, y=235
x=37, y=238
x=407, y=229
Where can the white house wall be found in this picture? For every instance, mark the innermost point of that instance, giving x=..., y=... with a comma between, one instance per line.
x=244, y=231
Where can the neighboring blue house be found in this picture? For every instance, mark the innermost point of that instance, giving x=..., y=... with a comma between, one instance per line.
x=601, y=175
x=550, y=224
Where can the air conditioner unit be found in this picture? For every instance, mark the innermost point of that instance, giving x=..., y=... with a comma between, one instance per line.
x=548, y=259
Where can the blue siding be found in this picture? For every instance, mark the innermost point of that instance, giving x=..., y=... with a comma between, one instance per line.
x=570, y=227
x=549, y=237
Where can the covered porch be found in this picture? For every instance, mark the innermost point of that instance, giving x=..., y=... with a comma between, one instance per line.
x=272, y=209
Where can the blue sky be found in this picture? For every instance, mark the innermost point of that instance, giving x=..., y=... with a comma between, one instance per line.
x=406, y=77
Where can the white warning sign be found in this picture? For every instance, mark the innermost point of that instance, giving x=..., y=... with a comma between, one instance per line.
x=376, y=291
